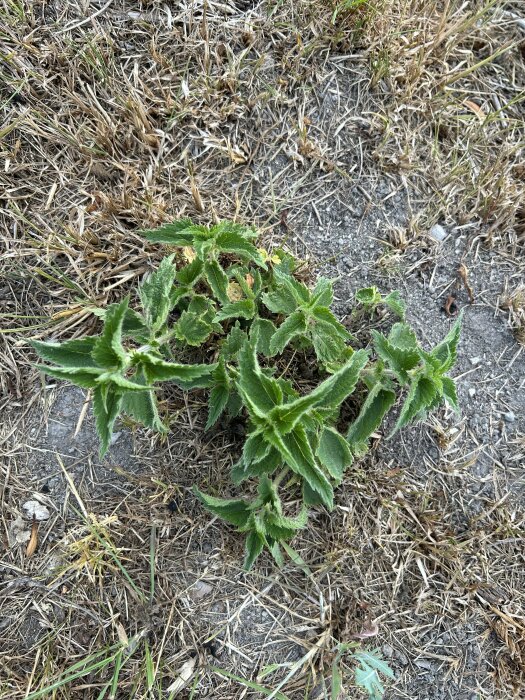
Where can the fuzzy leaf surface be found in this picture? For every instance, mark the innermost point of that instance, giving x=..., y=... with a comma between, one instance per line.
x=108, y=351
x=155, y=294
x=71, y=353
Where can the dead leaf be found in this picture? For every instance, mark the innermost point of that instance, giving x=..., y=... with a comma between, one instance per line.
x=33, y=540
x=185, y=673
x=189, y=253
x=475, y=109
x=249, y=280
x=463, y=273
x=234, y=291
x=370, y=629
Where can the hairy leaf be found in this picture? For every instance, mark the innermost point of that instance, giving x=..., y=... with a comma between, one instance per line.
x=156, y=369
x=399, y=360
x=263, y=329
x=323, y=293
x=280, y=301
x=245, y=308
x=233, y=510
x=334, y=453
x=259, y=392
x=155, y=293
x=449, y=392
x=191, y=329
x=293, y=326
x=298, y=455
x=142, y=406
x=179, y=233
x=71, y=353
x=190, y=274
x=280, y=527
x=267, y=465
x=108, y=351
x=396, y=304
x=329, y=394
x=420, y=396
x=254, y=546
x=217, y=279
x=446, y=351
x=236, y=243
x=403, y=337
x=85, y=377
x=106, y=407
x=378, y=402
x=219, y=394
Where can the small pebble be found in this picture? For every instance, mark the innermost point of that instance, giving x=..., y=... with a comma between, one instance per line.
x=509, y=417
x=438, y=233
x=475, y=361
x=472, y=392
x=387, y=651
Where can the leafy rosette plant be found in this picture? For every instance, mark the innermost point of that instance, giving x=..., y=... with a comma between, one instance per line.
x=218, y=295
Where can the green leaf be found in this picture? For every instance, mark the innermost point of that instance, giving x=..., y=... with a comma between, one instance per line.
x=403, y=337
x=399, y=360
x=334, y=453
x=108, y=351
x=217, y=279
x=298, y=455
x=378, y=402
x=254, y=546
x=421, y=394
x=323, y=293
x=117, y=379
x=366, y=674
x=155, y=294
x=280, y=301
x=369, y=296
x=106, y=407
x=330, y=322
x=241, y=471
x=179, y=233
x=260, y=393
x=142, y=406
x=233, y=510
x=446, y=351
x=190, y=274
x=191, y=329
x=234, y=242
x=255, y=448
x=328, y=347
x=156, y=369
x=233, y=343
x=219, y=394
x=449, y=392
x=329, y=394
x=396, y=304
x=264, y=330
x=281, y=527
x=298, y=290
x=71, y=353
x=85, y=377
x=244, y=308
x=293, y=326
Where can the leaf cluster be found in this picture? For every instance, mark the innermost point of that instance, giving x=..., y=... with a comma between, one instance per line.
x=218, y=295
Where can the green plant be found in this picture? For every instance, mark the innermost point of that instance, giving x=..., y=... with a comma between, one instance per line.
x=230, y=301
